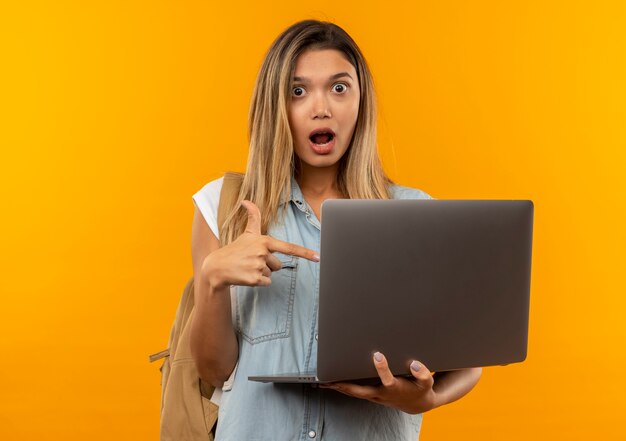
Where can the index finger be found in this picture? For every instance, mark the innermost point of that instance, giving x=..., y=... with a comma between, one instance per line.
x=422, y=374
x=292, y=249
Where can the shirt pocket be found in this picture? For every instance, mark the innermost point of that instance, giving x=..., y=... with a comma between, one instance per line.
x=266, y=312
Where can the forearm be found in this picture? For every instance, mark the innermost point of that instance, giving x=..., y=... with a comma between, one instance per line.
x=451, y=385
x=214, y=345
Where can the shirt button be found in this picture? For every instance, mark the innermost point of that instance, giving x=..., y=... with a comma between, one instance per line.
x=312, y=434
x=315, y=337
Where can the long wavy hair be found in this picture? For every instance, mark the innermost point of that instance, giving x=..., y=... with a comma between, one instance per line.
x=271, y=157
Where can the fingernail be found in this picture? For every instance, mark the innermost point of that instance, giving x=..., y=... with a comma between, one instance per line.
x=316, y=257
x=378, y=356
x=416, y=366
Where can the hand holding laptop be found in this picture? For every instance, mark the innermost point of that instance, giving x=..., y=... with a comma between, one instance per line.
x=408, y=394
x=249, y=260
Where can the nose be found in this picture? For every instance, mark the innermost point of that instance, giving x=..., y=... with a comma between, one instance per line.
x=321, y=107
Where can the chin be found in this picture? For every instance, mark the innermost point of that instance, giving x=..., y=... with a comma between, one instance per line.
x=321, y=161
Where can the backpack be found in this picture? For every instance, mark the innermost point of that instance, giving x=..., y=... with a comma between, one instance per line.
x=187, y=412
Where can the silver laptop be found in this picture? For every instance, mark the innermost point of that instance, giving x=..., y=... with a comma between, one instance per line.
x=445, y=282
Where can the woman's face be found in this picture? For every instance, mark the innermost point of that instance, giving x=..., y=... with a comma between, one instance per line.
x=324, y=106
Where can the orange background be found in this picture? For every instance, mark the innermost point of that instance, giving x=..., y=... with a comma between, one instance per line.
x=114, y=113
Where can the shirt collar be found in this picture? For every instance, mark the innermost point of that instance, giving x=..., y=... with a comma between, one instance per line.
x=295, y=195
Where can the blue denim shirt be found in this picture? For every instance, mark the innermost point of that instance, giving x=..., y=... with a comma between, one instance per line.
x=277, y=328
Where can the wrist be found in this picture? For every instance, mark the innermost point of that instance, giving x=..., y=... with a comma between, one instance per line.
x=214, y=286
x=210, y=277
x=208, y=294
x=439, y=400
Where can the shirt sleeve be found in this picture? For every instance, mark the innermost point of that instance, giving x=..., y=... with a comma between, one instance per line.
x=207, y=199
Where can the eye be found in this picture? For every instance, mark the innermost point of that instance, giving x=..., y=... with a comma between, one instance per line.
x=340, y=87
x=297, y=91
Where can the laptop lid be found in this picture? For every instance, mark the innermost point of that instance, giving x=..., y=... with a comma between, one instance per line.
x=445, y=282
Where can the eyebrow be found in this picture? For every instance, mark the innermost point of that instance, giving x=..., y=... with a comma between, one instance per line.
x=331, y=78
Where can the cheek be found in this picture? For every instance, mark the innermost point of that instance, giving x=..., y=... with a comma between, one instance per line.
x=295, y=117
x=351, y=114
x=356, y=109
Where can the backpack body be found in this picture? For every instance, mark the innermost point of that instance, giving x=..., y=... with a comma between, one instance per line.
x=187, y=412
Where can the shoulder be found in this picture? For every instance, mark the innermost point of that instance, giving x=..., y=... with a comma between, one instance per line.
x=207, y=199
x=402, y=192
x=211, y=189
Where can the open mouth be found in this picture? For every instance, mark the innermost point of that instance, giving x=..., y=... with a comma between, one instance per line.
x=322, y=136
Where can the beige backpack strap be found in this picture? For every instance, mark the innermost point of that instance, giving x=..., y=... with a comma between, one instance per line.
x=228, y=196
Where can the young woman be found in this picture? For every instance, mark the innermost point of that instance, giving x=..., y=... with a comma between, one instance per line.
x=312, y=129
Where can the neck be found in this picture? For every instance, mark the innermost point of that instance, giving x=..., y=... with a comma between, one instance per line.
x=319, y=183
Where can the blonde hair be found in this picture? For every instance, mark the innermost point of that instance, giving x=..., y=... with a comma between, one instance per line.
x=271, y=158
